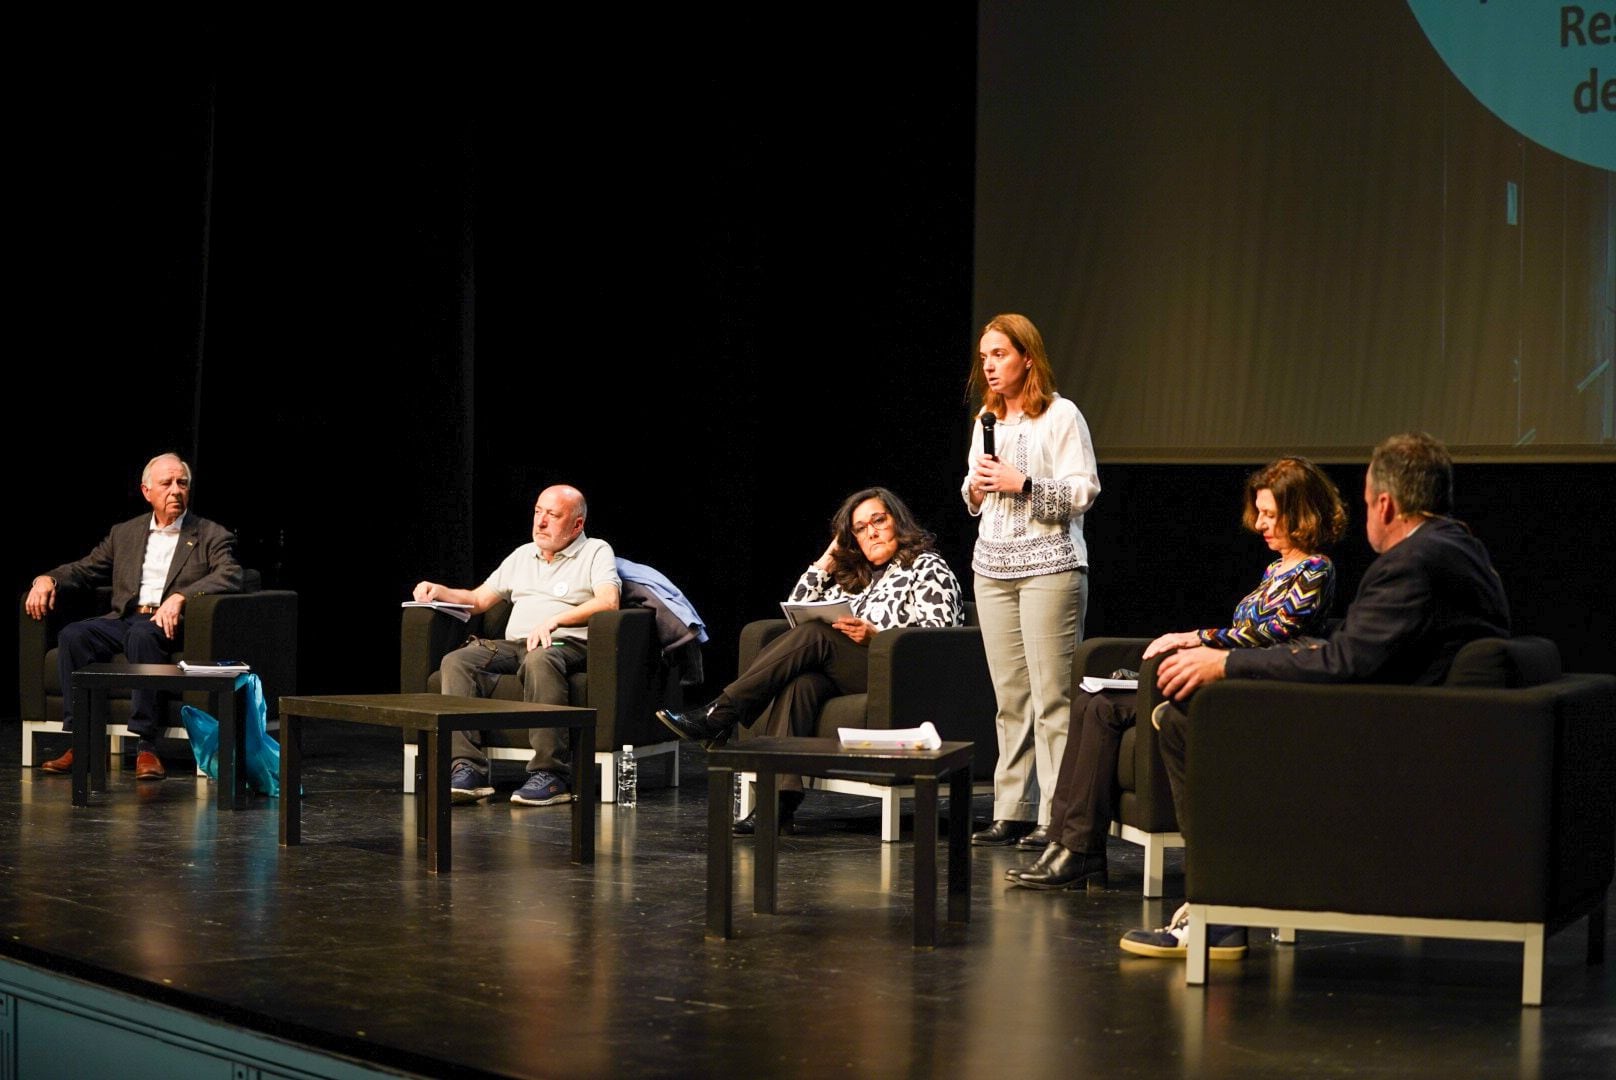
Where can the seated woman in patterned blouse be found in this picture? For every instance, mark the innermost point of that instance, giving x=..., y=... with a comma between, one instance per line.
x=880, y=561
x=1298, y=512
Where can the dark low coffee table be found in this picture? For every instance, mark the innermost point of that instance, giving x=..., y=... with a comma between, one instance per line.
x=435, y=717
x=227, y=700
x=770, y=757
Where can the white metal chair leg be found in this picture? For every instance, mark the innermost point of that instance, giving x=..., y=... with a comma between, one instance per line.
x=1532, y=967
x=891, y=816
x=1155, y=865
x=1195, y=961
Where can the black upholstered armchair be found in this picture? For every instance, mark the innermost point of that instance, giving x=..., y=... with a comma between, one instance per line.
x=916, y=674
x=256, y=625
x=1483, y=808
x=1144, y=812
x=627, y=680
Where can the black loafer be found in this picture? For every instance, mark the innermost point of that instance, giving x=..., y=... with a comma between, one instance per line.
x=1001, y=833
x=1049, y=852
x=1037, y=840
x=1067, y=870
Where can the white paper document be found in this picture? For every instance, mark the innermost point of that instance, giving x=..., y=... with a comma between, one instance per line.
x=809, y=610
x=924, y=737
x=1093, y=684
x=218, y=667
x=459, y=611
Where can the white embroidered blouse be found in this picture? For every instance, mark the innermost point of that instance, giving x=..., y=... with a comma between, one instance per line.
x=1020, y=535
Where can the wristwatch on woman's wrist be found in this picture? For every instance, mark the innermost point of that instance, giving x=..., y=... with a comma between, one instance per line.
x=1026, y=486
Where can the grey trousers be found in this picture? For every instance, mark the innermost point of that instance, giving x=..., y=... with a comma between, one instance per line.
x=472, y=671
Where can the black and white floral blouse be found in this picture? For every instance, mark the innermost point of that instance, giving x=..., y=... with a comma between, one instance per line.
x=924, y=593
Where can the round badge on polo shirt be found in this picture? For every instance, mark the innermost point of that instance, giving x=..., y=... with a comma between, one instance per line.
x=559, y=588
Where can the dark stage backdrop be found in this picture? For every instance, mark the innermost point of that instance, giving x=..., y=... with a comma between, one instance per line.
x=717, y=275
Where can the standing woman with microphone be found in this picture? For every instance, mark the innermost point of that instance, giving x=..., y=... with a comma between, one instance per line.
x=1032, y=475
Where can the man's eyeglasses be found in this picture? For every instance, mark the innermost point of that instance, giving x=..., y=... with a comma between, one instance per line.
x=877, y=521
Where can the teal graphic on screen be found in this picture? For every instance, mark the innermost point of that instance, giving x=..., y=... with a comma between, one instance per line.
x=1544, y=67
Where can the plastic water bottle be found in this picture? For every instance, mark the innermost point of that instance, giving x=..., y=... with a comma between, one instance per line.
x=628, y=779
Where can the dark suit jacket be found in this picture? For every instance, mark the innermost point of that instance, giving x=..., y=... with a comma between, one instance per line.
x=1418, y=603
x=204, y=562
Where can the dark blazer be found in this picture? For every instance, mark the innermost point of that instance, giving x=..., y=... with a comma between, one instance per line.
x=204, y=562
x=1418, y=603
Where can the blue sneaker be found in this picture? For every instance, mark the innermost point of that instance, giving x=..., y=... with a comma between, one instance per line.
x=542, y=789
x=467, y=783
x=1171, y=942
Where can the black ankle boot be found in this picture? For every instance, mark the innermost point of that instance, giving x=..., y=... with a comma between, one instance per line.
x=709, y=725
x=789, y=801
x=1051, y=850
x=1066, y=870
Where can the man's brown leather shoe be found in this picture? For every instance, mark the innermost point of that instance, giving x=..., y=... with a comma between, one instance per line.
x=63, y=764
x=147, y=767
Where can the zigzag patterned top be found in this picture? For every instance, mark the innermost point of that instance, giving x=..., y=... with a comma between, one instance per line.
x=1285, y=605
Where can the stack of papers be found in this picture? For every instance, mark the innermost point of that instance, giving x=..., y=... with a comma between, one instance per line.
x=459, y=611
x=924, y=737
x=1093, y=684
x=809, y=610
x=218, y=667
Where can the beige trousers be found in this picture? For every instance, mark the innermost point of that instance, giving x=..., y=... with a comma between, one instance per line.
x=1030, y=627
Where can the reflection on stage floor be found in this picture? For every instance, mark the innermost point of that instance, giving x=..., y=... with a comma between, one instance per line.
x=520, y=963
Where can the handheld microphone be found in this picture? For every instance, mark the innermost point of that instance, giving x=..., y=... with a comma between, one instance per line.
x=988, y=420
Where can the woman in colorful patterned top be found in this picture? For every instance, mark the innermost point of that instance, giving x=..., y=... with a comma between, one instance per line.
x=883, y=564
x=1298, y=512
x=1293, y=599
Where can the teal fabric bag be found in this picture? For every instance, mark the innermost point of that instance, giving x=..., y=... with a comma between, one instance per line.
x=263, y=752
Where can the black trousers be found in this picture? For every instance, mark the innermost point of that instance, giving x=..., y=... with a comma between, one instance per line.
x=1086, y=786
x=791, y=679
x=96, y=641
x=1174, y=746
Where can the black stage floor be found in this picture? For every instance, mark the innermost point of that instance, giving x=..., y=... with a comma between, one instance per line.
x=521, y=964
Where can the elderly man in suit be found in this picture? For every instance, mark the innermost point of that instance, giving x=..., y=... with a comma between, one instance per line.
x=154, y=563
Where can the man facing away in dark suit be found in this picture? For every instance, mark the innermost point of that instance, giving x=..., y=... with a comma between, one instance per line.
x=154, y=563
x=1431, y=589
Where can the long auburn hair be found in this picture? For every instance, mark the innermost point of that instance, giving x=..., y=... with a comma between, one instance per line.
x=852, y=571
x=1039, y=389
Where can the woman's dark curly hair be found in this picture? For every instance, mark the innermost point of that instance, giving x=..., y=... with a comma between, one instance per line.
x=852, y=571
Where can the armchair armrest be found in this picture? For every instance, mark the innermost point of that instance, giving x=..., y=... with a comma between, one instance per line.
x=755, y=635
x=1103, y=655
x=917, y=673
x=1418, y=801
x=623, y=662
x=1148, y=799
x=425, y=637
x=35, y=638
x=259, y=627
x=33, y=642
x=932, y=673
